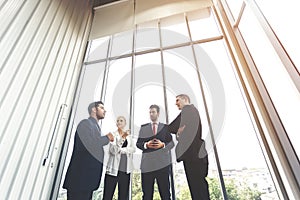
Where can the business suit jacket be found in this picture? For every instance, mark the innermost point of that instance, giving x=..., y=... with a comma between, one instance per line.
x=85, y=168
x=154, y=159
x=190, y=144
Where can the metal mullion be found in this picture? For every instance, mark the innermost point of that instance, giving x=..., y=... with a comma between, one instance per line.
x=156, y=50
x=163, y=73
x=132, y=84
x=166, y=106
x=105, y=75
x=237, y=22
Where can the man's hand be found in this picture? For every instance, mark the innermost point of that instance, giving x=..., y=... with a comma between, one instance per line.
x=110, y=136
x=155, y=144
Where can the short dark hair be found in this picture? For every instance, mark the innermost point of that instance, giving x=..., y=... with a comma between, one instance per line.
x=184, y=96
x=154, y=106
x=94, y=105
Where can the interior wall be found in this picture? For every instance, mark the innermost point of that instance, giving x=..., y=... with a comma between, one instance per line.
x=41, y=51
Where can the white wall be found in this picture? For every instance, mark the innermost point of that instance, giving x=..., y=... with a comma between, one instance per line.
x=42, y=44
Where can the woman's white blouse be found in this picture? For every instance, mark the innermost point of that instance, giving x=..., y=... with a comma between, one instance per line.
x=115, y=151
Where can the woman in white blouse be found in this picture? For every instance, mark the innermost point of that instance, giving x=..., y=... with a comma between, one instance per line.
x=120, y=163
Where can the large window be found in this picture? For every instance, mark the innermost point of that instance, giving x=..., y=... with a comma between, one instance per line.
x=281, y=89
x=269, y=50
x=185, y=53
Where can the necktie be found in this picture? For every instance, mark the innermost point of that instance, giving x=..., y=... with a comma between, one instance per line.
x=154, y=128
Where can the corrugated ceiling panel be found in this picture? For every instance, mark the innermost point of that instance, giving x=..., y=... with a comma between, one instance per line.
x=41, y=49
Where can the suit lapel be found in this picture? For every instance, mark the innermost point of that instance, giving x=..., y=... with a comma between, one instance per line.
x=160, y=126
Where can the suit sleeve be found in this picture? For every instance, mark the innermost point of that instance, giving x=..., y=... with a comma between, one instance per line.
x=169, y=139
x=103, y=140
x=191, y=119
x=90, y=137
x=175, y=124
x=140, y=141
x=170, y=145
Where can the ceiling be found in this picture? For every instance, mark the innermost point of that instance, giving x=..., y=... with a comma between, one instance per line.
x=103, y=2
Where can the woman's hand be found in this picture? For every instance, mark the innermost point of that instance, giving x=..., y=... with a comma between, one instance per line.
x=125, y=134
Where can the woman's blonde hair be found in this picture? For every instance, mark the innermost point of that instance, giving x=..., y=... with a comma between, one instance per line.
x=121, y=117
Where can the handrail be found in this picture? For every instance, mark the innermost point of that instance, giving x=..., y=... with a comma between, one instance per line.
x=53, y=133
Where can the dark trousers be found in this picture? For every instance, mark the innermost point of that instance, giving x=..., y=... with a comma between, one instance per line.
x=163, y=182
x=110, y=183
x=79, y=195
x=195, y=172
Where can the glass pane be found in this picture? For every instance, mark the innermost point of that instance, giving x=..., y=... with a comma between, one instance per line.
x=137, y=192
x=148, y=87
x=199, y=21
x=283, y=18
x=181, y=77
x=148, y=91
x=116, y=102
x=147, y=36
x=117, y=96
x=283, y=92
x=174, y=30
x=91, y=88
x=122, y=43
x=98, y=49
x=244, y=168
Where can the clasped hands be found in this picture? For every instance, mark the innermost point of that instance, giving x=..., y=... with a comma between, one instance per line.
x=155, y=144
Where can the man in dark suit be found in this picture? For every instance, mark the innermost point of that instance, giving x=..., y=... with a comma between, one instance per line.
x=155, y=141
x=190, y=147
x=85, y=169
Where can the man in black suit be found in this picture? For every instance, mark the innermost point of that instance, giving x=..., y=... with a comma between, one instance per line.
x=85, y=169
x=155, y=141
x=190, y=147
